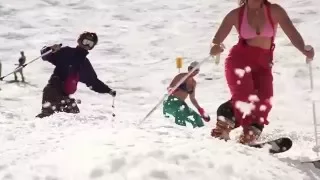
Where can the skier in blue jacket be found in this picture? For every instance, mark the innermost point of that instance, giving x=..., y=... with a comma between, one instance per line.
x=71, y=66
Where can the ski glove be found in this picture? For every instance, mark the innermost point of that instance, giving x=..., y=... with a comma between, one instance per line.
x=204, y=115
x=56, y=47
x=113, y=93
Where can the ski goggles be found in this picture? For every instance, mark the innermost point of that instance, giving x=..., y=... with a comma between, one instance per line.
x=88, y=42
x=196, y=70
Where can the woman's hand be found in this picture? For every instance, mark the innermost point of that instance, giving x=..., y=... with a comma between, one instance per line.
x=216, y=49
x=309, y=53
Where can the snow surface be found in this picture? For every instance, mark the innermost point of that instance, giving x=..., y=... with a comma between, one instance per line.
x=138, y=43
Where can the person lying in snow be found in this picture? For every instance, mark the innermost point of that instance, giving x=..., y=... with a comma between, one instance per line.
x=71, y=66
x=248, y=67
x=175, y=104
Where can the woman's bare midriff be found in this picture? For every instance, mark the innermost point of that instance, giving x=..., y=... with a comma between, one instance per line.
x=180, y=94
x=261, y=42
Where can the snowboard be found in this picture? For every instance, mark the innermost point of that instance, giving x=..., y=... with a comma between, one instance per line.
x=275, y=146
x=316, y=163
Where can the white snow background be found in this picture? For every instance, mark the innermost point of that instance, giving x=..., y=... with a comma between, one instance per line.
x=138, y=43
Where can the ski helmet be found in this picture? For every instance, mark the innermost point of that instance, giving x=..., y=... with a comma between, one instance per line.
x=193, y=65
x=89, y=36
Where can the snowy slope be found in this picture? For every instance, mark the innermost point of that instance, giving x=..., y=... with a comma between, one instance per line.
x=138, y=44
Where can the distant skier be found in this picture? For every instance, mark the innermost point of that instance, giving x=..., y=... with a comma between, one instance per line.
x=248, y=67
x=22, y=61
x=71, y=66
x=176, y=106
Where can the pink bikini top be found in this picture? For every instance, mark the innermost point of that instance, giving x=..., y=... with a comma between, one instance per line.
x=247, y=32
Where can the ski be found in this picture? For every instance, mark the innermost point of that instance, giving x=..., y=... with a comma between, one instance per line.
x=275, y=146
x=281, y=145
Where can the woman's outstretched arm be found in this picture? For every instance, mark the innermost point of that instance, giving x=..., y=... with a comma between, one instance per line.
x=288, y=28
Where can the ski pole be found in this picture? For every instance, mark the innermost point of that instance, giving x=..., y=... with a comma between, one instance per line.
x=1, y=78
x=24, y=65
x=316, y=148
x=173, y=89
x=217, y=60
x=113, y=114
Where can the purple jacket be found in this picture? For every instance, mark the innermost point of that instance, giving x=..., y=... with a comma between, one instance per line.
x=70, y=61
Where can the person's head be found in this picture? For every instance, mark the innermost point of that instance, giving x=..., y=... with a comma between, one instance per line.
x=253, y=3
x=193, y=65
x=22, y=53
x=87, y=40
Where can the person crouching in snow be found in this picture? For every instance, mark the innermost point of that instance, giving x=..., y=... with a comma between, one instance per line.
x=248, y=67
x=175, y=104
x=71, y=66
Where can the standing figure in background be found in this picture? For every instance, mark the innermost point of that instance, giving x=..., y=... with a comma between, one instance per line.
x=175, y=104
x=22, y=60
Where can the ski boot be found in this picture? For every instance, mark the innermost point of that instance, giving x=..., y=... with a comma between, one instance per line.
x=223, y=129
x=250, y=134
x=225, y=121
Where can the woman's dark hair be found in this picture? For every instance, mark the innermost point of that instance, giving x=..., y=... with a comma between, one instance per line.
x=243, y=2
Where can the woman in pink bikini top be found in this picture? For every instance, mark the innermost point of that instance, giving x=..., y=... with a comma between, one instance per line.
x=257, y=34
x=256, y=22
